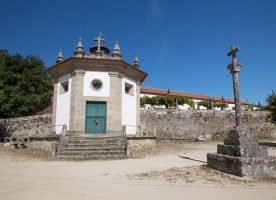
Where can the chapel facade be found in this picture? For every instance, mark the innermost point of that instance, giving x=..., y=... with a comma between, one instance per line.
x=97, y=92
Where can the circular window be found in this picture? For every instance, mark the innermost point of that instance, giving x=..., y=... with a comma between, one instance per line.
x=96, y=84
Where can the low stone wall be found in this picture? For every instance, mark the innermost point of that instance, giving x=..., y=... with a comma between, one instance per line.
x=135, y=144
x=31, y=126
x=202, y=125
x=164, y=124
x=49, y=146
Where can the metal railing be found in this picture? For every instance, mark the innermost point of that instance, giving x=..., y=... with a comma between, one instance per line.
x=124, y=136
x=63, y=131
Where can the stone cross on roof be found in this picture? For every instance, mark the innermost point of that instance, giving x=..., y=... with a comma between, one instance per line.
x=99, y=39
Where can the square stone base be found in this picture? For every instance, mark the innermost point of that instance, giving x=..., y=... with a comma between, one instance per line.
x=243, y=166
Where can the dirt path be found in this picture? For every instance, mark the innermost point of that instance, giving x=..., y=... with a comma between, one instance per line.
x=172, y=172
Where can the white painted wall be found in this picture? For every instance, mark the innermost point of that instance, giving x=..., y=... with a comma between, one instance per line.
x=129, y=108
x=103, y=77
x=63, y=104
x=231, y=106
x=148, y=95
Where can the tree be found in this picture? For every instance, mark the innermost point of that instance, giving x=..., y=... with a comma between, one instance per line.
x=271, y=105
x=25, y=86
x=168, y=101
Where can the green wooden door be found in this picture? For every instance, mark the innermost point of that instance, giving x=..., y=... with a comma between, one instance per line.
x=95, y=117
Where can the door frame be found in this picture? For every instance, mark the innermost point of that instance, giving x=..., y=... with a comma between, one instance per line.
x=95, y=102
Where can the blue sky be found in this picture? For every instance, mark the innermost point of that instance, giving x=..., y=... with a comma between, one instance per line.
x=181, y=44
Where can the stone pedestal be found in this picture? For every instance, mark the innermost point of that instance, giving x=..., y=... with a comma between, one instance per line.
x=241, y=155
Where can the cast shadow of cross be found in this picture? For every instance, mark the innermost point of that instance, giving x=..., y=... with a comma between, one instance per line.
x=188, y=158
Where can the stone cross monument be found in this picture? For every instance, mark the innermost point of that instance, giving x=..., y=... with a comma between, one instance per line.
x=235, y=68
x=241, y=154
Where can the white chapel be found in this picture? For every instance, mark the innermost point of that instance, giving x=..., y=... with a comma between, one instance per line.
x=96, y=92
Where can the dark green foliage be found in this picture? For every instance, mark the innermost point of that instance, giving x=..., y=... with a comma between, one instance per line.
x=25, y=86
x=206, y=104
x=168, y=100
x=271, y=105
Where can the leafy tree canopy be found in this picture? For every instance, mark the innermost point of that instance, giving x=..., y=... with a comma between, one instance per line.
x=168, y=100
x=271, y=105
x=209, y=104
x=25, y=86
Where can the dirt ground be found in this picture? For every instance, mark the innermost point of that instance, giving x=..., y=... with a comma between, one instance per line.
x=170, y=171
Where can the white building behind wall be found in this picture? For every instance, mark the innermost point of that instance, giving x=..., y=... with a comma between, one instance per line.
x=197, y=98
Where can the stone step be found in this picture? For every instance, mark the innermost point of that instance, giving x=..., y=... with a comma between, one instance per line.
x=92, y=153
x=93, y=137
x=83, y=134
x=241, y=141
x=90, y=148
x=93, y=142
x=242, y=151
x=80, y=157
x=105, y=141
x=68, y=145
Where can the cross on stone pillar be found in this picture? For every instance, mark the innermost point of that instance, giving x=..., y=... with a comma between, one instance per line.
x=235, y=68
x=241, y=154
x=99, y=39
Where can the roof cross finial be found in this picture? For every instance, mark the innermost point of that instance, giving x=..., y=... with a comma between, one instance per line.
x=99, y=39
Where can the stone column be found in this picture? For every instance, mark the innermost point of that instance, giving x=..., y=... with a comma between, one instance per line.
x=236, y=86
x=77, y=103
x=235, y=68
x=114, y=106
x=54, y=111
x=138, y=120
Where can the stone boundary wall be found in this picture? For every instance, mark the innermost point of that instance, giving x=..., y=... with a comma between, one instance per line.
x=31, y=126
x=164, y=124
x=202, y=124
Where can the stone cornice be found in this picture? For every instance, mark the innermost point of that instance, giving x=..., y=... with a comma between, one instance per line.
x=78, y=72
x=115, y=74
x=101, y=65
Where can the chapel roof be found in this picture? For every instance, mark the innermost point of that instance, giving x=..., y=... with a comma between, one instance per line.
x=98, y=54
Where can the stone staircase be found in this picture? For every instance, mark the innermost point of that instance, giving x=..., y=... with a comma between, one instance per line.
x=91, y=147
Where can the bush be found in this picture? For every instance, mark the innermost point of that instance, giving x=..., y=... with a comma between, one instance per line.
x=168, y=100
x=271, y=105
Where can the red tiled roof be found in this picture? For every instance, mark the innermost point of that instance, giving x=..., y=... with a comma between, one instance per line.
x=97, y=59
x=157, y=91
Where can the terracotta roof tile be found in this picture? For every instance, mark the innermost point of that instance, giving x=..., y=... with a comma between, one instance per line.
x=157, y=91
x=105, y=58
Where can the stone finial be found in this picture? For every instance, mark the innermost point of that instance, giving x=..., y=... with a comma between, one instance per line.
x=136, y=61
x=116, y=50
x=60, y=57
x=79, y=49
